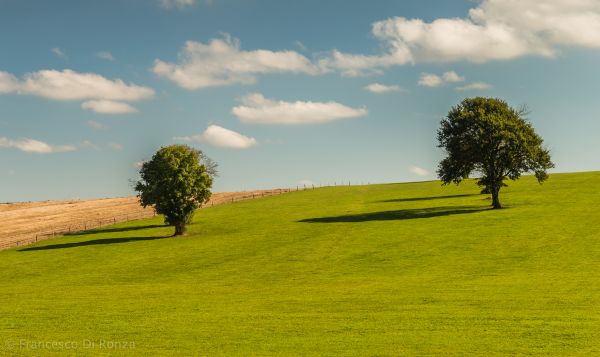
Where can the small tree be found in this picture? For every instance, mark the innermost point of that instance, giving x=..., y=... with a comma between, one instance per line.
x=177, y=181
x=488, y=137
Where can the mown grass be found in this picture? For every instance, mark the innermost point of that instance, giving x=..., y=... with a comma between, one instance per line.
x=398, y=269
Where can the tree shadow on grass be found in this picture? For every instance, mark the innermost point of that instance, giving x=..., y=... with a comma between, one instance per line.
x=116, y=230
x=94, y=242
x=402, y=214
x=414, y=199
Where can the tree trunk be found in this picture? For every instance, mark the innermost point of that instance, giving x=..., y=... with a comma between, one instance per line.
x=495, y=199
x=179, y=229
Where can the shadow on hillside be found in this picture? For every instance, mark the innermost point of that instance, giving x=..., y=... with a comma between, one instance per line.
x=93, y=242
x=117, y=230
x=398, y=214
x=413, y=199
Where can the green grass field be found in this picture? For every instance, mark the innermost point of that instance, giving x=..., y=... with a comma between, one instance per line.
x=397, y=269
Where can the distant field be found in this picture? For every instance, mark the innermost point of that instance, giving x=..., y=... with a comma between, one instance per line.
x=23, y=221
x=385, y=270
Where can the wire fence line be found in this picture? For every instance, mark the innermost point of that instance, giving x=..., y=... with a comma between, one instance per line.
x=24, y=239
x=75, y=227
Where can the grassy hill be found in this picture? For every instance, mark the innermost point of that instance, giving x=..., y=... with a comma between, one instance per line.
x=391, y=269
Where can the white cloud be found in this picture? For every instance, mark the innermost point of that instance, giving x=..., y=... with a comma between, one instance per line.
x=433, y=80
x=59, y=53
x=419, y=171
x=475, y=86
x=353, y=65
x=257, y=109
x=430, y=80
x=179, y=4
x=34, y=146
x=219, y=136
x=221, y=62
x=452, y=77
x=105, y=55
x=96, y=125
x=8, y=83
x=108, y=107
x=382, y=88
x=71, y=85
x=493, y=30
x=137, y=164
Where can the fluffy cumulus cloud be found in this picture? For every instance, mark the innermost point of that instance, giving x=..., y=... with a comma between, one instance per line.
x=382, y=88
x=101, y=94
x=218, y=136
x=430, y=80
x=71, y=85
x=474, y=86
x=8, y=83
x=108, y=107
x=34, y=146
x=255, y=108
x=493, y=30
x=419, y=171
x=433, y=80
x=222, y=62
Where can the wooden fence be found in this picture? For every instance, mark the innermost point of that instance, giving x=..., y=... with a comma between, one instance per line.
x=34, y=237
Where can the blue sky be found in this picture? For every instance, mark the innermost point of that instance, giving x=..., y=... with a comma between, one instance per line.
x=279, y=93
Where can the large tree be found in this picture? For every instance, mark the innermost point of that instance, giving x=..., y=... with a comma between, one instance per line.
x=487, y=137
x=176, y=181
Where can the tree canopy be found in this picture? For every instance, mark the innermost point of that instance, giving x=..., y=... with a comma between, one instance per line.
x=176, y=181
x=487, y=137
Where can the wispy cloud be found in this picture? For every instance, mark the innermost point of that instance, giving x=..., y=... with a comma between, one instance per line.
x=59, y=53
x=34, y=146
x=115, y=146
x=108, y=107
x=96, y=125
x=105, y=55
x=255, y=108
x=177, y=4
x=382, y=88
x=475, y=86
x=218, y=136
x=419, y=171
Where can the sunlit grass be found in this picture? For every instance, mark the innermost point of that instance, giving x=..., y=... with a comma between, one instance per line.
x=366, y=270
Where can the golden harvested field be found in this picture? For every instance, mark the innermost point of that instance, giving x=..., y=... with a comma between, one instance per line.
x=27, y=222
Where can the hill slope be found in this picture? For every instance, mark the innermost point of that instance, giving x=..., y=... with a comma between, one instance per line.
x=370, y=270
